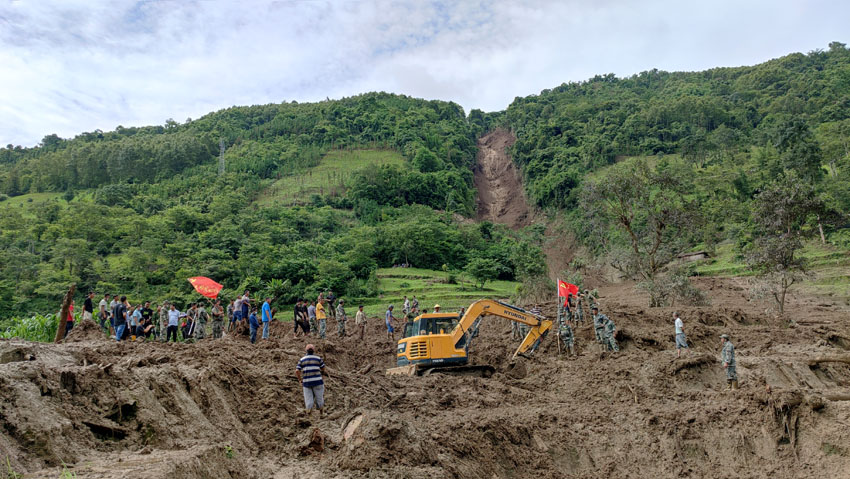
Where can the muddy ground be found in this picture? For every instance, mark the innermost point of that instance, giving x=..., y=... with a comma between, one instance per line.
x=229, y=409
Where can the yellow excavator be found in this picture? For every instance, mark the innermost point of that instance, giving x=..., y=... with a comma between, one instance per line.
x=439, y=342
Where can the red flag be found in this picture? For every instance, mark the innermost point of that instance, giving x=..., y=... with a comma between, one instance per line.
x=565, y=289
x=205, y=286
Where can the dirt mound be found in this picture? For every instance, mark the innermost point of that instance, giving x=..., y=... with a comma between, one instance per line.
x=226, y=408
x=501, y=198
x=85, y=331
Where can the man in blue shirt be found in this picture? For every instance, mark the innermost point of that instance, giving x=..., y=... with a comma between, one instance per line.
x=309, y=371
x=267, y=316
x=252, y=321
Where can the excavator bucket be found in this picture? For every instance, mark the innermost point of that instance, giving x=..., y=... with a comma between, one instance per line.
x=409, y=370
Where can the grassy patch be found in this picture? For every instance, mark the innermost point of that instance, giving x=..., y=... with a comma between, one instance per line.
x=430, y=288
x=328, y=178
x=827, y=264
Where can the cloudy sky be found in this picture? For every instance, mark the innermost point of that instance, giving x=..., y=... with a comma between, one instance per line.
x=69, y=66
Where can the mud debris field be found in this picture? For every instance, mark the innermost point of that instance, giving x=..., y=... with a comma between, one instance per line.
x=228, y=409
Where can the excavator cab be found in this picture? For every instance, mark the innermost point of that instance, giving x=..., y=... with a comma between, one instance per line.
x=431, y=324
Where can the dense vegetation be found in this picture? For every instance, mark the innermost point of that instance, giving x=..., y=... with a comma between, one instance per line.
x=139, y=210
x=644, y=167
x=653, y=164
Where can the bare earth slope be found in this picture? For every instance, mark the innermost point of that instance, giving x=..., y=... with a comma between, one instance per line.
x=227, y=409
x=501, y=198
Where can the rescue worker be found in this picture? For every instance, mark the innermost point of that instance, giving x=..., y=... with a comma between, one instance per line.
x=727, y=355
x=163, y=320
x=598, y=323
x=610, y=332
x=565, y=330
x=578, y=315
x=341, y=319
x=360, y=320
x=321, y=317
x=217, y=319
x=201, y=322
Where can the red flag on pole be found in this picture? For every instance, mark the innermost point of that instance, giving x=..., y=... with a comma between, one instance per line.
x=205, y=286
x=565, y=289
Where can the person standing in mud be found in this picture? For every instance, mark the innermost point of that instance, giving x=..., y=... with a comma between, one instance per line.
x=565, y=330
x=578, y=315
x=321, y=317
x=681, y=340
x=598, y=324
x=296, y=319
x=103, y=314
x=253, y=325
x=267, y=316
x=217, y=319
x=162, y=313
x=341, y=319
x=610, y=332
x=173, y=322
x=201, y=318
x=331, y=309
x=389, y=319
x=360, y=320
x=311, y=317
x=309, y=372
x=727, y=355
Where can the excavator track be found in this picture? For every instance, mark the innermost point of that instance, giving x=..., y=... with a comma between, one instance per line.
x=485, y=371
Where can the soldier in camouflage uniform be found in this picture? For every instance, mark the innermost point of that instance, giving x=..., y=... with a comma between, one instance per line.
x=727, y=355
x=217, y=319
x=608, y=338
x=341, y=318
x=578, y=314
x=565, y=330
x=163, y=319
x=598, y=324
x=201, y=323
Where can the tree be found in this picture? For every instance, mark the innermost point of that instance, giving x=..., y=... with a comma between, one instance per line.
x=482, y=270
x=649, y=206
x=778, y=219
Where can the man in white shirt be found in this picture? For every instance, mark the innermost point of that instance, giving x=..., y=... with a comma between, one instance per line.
x=681, y=340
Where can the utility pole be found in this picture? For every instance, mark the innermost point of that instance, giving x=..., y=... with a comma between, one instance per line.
x=221, y=156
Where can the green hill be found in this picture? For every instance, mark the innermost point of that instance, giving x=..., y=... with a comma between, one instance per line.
x=325, y=195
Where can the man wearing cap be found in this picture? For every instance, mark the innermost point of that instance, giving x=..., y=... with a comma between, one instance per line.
x=309, y=371
x=341, y=318
x=388, y=319
x=727, y=355
x=436, y=308
x=681, y=340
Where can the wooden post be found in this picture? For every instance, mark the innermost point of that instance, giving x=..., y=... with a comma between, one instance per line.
x=63, y=314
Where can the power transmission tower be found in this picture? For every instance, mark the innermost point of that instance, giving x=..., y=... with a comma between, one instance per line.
x=221, y=156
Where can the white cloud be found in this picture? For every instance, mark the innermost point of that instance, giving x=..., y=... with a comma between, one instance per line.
x=73, y=66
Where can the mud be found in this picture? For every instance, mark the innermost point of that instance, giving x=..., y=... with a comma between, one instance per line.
x=229, y=409
x=501, y=197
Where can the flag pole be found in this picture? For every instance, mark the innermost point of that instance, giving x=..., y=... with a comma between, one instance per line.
x=558, y=306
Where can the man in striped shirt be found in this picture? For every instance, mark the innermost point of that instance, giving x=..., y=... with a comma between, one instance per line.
x=309, y=371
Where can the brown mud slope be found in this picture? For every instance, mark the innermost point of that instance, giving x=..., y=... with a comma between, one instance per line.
x=229, y=409
x=501, y=198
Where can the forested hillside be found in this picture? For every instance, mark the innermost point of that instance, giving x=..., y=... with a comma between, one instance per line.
x=642, y=168
x=649, y=166
x=138, y=210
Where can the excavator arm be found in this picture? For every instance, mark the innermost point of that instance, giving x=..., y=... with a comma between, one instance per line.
x=485, y=307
